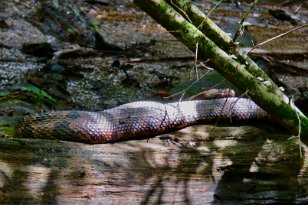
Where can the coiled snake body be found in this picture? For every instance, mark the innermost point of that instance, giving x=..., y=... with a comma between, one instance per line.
x=136, y=120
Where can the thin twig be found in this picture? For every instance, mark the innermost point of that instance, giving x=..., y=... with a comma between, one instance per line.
x=298, y=8
x=209, y=13
x=299, y=130
x=188, y=87
x=279, y=36
x=233, y=104
x=182, y=11
x=240, y=29
x=299, y=134
x=219, y=116
x=195, y=61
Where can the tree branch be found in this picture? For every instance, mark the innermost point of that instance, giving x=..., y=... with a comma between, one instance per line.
x=261, y=89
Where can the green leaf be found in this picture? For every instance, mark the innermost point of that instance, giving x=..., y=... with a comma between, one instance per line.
x=39, y=92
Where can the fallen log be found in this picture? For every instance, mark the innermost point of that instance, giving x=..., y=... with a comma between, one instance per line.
x=193, y=166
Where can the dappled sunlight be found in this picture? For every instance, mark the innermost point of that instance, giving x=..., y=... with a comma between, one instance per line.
x=188, y=174
x=254, y=167
x=36, y=180
x=155, y=170
x=225, y=143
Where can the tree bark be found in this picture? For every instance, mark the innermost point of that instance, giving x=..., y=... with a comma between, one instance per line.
x=261, y=89
x=218, y=36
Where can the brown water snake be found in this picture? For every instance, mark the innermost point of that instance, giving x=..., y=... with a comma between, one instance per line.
x=136, y=120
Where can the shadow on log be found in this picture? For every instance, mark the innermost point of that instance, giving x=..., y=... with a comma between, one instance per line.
x=186, y=167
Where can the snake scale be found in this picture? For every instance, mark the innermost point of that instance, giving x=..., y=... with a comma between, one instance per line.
x=136, y=120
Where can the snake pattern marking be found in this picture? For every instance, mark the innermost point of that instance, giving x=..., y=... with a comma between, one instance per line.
x=136, y=120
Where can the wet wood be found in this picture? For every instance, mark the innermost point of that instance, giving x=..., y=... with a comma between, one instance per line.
x=186, y=167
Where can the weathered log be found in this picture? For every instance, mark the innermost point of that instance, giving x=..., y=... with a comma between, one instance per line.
x=186, y=167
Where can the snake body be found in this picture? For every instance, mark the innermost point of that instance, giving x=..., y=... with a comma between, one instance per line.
x=136, y=120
